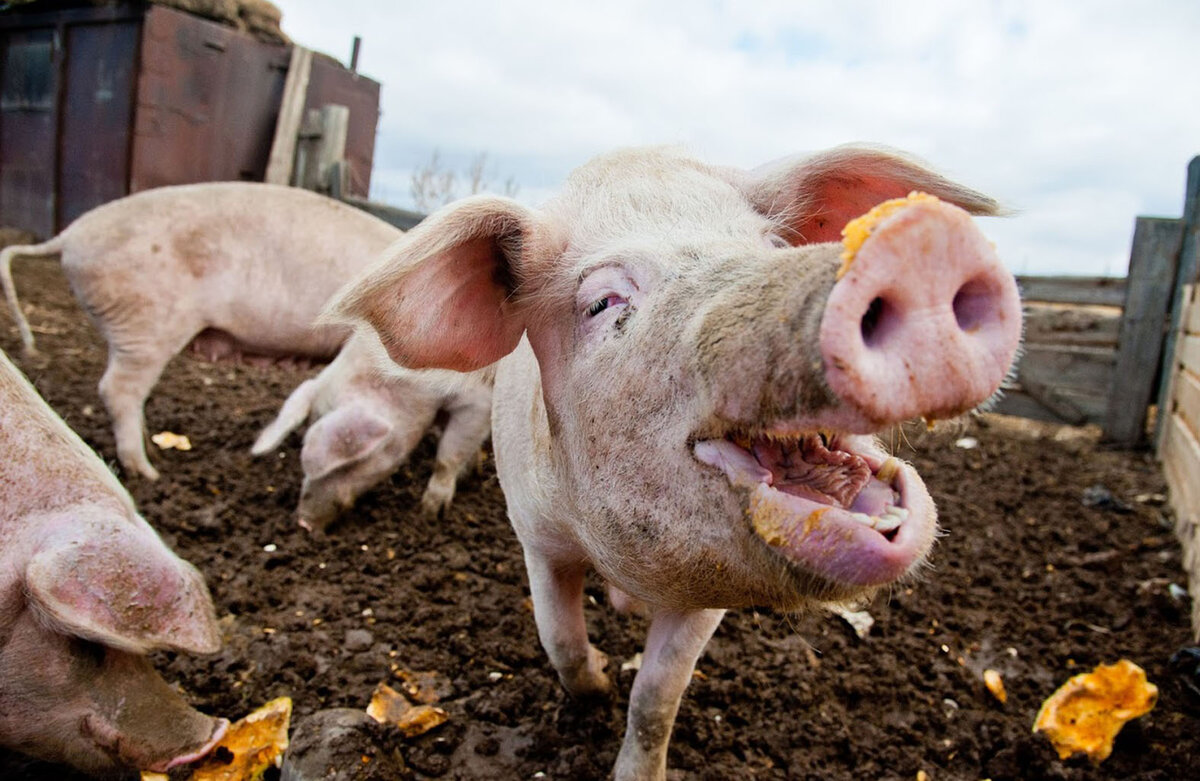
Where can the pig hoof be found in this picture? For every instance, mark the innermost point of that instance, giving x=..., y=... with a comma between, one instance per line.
x=589, y=681
x=434, y=507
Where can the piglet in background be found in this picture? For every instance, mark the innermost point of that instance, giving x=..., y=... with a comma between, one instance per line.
x=692, y=366
x=368, y=415
x=87, y=589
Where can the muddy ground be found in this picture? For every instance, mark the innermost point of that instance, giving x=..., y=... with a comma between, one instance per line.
x=1033, y=578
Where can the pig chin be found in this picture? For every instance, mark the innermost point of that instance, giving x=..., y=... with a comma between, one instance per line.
x=829, y=506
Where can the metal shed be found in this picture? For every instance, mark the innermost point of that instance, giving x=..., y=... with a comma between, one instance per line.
x=97, y=102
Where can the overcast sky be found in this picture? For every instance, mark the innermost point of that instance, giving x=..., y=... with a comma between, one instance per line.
x=1079, y=115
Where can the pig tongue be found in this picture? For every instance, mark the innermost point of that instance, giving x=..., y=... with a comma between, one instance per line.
x=808, y=469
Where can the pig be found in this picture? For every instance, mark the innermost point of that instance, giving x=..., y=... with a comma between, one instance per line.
x=87, y=589
x=690, y=379
x=238, y=270
x=368, y=415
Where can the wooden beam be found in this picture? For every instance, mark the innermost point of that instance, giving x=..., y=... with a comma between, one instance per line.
x=1189, y=353
x=1072, y=325
x=291, y=113
x=1066, y=406
x=1098, y=291
x=1189, y=264
x=1181, y=452
x=1062, y=366
x=335, y=126
x=1186, y=404
x=1166, y=399
x=1152, y=268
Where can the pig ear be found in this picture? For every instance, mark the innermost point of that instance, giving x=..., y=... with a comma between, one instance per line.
x=344, y=436
x=124, y=589
x=814, y=197
x=442, y=296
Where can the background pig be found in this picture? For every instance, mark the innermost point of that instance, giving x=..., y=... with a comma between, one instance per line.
x=86, y=590
x=691, y=376
x=237, y=269
x=369, y=414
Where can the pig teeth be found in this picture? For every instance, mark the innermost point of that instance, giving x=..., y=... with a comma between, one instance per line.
x=888, y=471
x=890, y=520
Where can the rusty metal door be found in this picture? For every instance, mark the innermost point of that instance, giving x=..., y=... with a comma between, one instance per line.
x=101, y=70
x=28, y=92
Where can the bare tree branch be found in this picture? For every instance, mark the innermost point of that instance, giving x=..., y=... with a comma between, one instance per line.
x=432, y=185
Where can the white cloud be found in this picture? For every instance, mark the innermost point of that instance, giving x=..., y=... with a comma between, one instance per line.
x=1079, y=115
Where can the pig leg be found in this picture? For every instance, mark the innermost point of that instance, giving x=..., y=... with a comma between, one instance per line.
x=127, y=382
x=673, y=645
x=557, y=590
x=466, y=429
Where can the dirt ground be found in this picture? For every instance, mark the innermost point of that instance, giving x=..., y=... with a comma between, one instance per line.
x=1038, y=575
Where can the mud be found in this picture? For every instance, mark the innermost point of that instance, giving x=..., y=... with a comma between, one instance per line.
x=1039, y=575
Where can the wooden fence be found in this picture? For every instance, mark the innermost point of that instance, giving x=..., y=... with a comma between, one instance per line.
x=1179, y=447
x=1095, y=348
x=1072, y=327
x=1178, y=426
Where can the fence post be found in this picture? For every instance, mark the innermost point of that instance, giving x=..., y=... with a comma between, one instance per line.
x=1189, y=264
x=291, y=113
x=1153, y=265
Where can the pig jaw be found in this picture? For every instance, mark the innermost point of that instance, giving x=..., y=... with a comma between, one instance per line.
x=834, y=505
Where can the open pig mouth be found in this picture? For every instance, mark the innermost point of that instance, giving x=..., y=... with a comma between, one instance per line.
x=834, y=504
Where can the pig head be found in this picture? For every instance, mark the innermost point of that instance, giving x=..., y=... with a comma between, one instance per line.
x=694, y=366
x=368, y=415
x=86, y=590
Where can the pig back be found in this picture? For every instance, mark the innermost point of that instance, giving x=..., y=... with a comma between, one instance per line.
x=45, y=465
x=253, y=260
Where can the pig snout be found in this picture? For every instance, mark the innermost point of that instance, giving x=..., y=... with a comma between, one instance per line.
x=924, y=319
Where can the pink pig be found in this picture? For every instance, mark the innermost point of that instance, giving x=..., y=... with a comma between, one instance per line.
x=368, y=414
x=237, y=270
x=690, y=376
x=86, y=590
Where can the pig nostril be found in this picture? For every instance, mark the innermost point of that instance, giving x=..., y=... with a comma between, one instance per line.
x=876, y=321
x=974, y=304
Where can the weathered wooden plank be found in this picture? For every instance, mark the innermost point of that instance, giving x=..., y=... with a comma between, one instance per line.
x=1189, y=262
x=335, y=124
x=291, y=113
x=1152, y=267
x=1101, y=291
x=1072, y=325
x=1189, y=352
x=1187, y=402
x=1058, y=366
x=1191, y=321
x=1181, y=451
x=1183, y=489
x=1166, y=394
x=1082, y=408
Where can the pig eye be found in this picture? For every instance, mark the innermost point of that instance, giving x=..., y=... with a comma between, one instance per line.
x=776, y=241
x=600, y=304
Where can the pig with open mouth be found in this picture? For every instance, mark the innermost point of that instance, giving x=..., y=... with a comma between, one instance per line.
x=692, y=366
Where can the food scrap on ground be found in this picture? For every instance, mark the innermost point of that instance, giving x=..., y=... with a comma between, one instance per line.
x=250, y=747
x=425, y=687
x=995, y=684
x=169, y=440
x=1088, y=711
x=859, y=620
x=389, y=706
